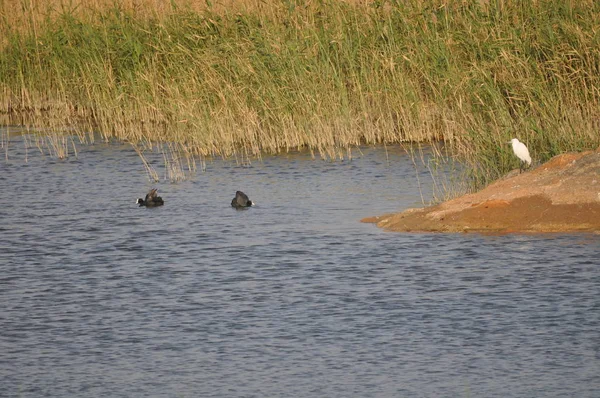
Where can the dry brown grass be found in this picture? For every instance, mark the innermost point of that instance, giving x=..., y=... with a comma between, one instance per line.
x=245, y=77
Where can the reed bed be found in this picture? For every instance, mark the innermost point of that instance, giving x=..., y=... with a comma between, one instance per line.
x=249, y=77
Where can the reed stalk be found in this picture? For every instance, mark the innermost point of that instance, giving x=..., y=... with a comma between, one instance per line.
x=249, y=77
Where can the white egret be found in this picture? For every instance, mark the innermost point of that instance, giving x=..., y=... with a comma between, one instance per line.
x=521, y=151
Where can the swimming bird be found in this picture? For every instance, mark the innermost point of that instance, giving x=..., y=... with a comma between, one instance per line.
x=522, y=153
x=152, y=199
x=241, y=200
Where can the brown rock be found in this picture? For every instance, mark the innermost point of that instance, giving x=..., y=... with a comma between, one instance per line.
x=562, y=195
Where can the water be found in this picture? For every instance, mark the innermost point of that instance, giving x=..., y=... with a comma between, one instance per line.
x=291, y=298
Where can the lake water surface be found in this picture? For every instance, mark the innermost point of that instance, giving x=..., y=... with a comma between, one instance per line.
x=291, y=298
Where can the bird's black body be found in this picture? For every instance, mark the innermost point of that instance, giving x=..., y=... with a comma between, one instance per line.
x=151, y=200
x=241, y=200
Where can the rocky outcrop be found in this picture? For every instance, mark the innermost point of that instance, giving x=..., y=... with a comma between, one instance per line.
x=562, y=195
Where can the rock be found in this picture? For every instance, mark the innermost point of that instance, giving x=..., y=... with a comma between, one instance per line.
x=561, y=195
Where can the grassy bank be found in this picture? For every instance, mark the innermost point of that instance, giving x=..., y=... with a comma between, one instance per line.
x=328, y=75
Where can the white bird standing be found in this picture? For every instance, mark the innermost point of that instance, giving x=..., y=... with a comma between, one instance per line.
x=521, y=151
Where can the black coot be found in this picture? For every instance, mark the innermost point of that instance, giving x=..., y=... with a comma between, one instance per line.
x=241, y=200
x=152, y=199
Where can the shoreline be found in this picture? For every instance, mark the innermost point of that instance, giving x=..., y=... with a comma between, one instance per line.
x=561, y=195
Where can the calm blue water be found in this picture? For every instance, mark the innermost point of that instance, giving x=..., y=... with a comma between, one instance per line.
x=291, y=298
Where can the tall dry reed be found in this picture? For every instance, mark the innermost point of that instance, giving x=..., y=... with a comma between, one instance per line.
x=222, y=79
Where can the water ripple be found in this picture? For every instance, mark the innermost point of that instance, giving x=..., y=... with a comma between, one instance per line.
x=293, y=297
